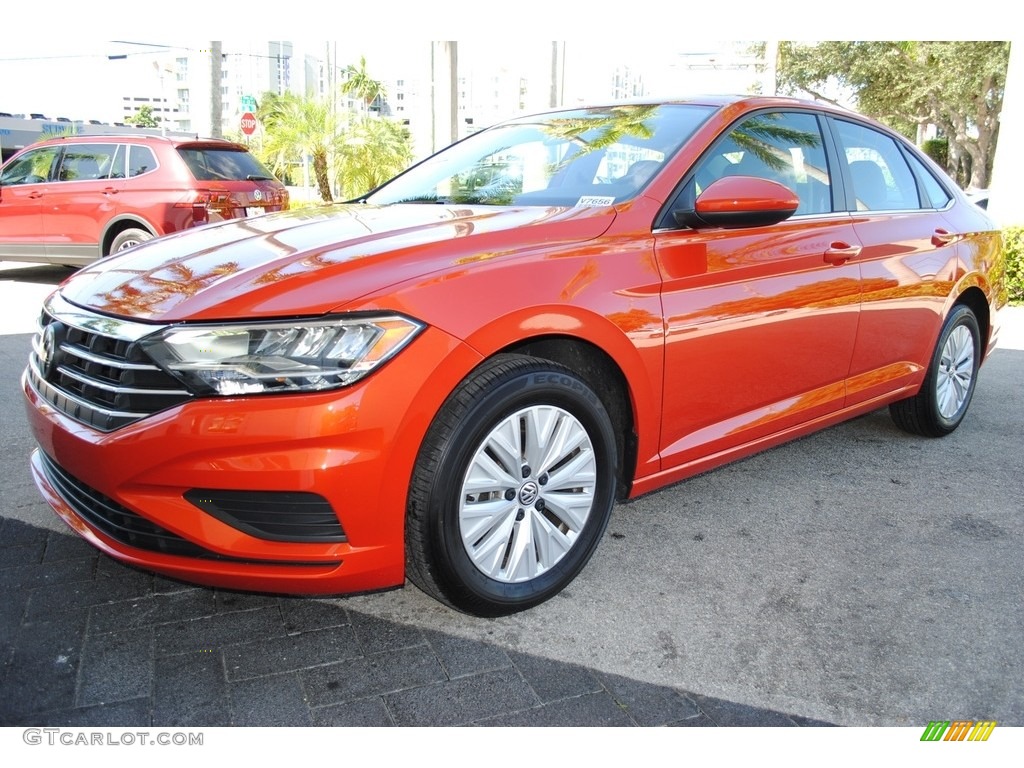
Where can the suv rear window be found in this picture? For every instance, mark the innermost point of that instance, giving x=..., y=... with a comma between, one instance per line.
x=208, y=164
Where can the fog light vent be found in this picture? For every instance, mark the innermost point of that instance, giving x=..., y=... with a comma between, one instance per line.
x=272, y=515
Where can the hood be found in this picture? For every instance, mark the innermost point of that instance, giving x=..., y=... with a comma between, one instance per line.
x=309, y=262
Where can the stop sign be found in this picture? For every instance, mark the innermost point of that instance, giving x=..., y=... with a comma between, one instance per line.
x=248, y=123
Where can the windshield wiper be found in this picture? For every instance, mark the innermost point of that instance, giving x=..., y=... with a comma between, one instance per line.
x=255, y=177
x=425, y=199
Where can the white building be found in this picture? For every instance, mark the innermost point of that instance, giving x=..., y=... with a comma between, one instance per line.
x=180, y=83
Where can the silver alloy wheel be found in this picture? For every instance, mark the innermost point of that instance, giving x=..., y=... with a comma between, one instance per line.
x=128, y=244
x=527, y=493
x=956, y=369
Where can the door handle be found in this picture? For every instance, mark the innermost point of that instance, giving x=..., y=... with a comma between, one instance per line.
x=941, y=237
x=34, y=195
x=841, y=252
x=109, y=190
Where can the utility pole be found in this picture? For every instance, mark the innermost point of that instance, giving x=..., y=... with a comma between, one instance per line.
x=555, y=97
x=453, y=88
x=216, y=100
x=444, y=101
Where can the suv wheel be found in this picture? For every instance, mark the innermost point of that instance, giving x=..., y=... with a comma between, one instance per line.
x=129, y=239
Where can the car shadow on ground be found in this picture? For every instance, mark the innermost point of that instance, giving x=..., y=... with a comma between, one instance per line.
x=42, y=274
x=86, y=641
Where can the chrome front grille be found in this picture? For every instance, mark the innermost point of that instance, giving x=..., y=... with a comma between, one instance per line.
x=92, y=369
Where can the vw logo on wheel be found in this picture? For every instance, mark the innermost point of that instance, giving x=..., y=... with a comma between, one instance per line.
x=528, y=493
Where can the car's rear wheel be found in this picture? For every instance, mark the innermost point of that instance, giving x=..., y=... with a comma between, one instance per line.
x=129, y=238
x=512, y=489
x=948, y=386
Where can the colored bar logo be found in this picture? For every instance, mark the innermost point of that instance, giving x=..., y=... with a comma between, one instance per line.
x=958, y=730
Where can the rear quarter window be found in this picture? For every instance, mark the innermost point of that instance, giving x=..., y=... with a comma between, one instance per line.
x=938, y=196
x=208, y=164
x=140, y=160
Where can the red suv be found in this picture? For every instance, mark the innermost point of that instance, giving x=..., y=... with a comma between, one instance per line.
x=75, y=199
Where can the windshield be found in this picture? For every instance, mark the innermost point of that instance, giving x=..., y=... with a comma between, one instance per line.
x=577, y=158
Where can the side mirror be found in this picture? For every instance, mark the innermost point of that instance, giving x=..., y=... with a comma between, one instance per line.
x=740, y=201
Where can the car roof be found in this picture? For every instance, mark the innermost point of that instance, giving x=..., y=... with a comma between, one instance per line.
x=174, y=141
x=746, y=101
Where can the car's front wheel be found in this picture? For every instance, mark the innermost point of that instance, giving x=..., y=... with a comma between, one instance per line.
x=948, y=386
x=513, y=488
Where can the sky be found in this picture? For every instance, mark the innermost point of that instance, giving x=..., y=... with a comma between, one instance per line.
x=67, y=70
x=78, y=80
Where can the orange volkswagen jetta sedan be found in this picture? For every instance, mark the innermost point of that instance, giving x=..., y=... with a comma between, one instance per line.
x=454, y=378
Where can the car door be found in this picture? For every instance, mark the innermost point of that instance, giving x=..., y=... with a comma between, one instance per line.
x=760, y=321
x=908, y=262
x=23, y=185
x=79, y=203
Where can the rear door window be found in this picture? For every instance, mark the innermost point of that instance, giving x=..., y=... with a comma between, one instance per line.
x=86, y=162
x=117, y=165
x=881, y=178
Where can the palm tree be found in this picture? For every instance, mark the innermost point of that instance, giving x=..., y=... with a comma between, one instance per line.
x=597, y=130
x=298, y=127
x=359, y=84
x=372, y=151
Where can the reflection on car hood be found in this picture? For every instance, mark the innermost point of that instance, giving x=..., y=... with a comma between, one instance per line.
x=309, y=262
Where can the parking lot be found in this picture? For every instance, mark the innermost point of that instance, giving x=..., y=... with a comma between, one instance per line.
x=859, y=576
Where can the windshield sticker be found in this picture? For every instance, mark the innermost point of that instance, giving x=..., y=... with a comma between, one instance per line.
x=594, y=201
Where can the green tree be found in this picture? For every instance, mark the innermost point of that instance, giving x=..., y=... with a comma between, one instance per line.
x=360, y=85
x=956, y=86
x=358, y=153
x=144, y=117
x=372, y=151
x=295, y=128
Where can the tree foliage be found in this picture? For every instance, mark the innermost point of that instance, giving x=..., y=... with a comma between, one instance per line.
x=373, y=151
x=956, y=86
x=144, y=118
x=349, y=152
x=297, y=127
x=360, y=85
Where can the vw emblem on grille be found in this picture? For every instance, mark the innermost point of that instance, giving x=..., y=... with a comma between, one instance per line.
x=257, y=195
x=528, y=493
x=48, y=350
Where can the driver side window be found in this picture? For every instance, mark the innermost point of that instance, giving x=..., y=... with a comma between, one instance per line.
x=785, y=147
x=31, y=168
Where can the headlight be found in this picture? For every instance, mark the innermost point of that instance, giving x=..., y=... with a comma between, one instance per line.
x=297, y=356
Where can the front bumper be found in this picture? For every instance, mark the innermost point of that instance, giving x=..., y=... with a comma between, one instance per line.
x=125, y=491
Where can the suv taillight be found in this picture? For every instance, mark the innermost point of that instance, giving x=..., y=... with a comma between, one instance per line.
x=202, y=202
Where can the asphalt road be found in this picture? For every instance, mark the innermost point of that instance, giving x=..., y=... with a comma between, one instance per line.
x=859, y=576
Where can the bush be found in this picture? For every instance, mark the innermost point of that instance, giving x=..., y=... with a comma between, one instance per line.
x=937, y=150
x=1013, y=244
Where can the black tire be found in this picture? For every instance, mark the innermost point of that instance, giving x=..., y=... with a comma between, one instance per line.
x=948, y=385
x=532, y=546
x=129, y=238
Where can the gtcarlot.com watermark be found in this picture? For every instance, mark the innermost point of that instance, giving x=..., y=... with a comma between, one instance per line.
x=70, y=737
